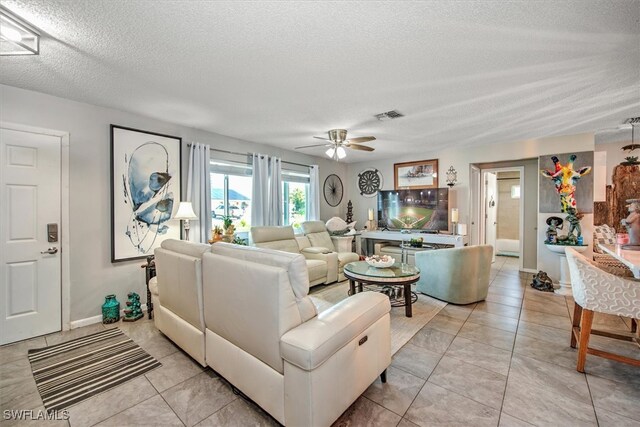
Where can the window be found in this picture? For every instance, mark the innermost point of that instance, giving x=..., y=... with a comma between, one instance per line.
x=231, y=193
x=515, y=191
x=295, y=194
x=231, y=187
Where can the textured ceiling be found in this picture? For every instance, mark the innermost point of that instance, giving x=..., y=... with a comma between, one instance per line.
x=463, y=72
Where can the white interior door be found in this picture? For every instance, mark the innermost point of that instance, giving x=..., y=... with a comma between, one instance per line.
x=30, y=261
x=474, y=203
x=491, y=209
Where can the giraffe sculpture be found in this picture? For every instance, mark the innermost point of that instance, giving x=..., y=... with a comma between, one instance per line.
x=565, y=179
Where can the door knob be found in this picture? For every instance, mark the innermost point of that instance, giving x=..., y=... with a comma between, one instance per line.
x=50, y=251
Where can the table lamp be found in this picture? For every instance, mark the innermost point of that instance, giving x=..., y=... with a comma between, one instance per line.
x=185, y=213
x=454, y=220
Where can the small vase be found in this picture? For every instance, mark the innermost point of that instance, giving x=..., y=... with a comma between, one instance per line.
x=110, y=309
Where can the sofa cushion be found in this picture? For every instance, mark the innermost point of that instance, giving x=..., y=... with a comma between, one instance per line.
x=278, y=238
x=295, y=265
x=317, y=269
x=347, y=257
x=309, y=227
x=313, y=342
x=321, y=239
x=186, y=248
x=179, y=279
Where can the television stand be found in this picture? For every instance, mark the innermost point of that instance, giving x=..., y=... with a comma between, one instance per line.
x=431, y=239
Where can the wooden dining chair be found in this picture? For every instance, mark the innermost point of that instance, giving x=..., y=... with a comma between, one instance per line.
x=594, y=291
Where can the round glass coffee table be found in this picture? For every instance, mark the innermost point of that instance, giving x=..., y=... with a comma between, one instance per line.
x=397, y=278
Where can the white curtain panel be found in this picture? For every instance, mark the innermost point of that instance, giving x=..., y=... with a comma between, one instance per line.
x=260, y=190
x=266, y=195
x=313, y=205
x=199, y=192
x=275, y=191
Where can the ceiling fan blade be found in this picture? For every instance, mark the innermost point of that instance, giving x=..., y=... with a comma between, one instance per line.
x=322, y=137
x=361, y=139
x=359, y=147
x=311, y=146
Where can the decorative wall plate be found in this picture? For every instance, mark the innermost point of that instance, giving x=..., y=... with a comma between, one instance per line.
x=369, y=182
x=333, y=190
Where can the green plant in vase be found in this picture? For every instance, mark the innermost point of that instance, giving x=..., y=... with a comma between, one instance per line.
x=227, y=222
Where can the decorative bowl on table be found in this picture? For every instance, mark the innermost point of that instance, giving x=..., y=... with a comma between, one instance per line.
x=378, y=261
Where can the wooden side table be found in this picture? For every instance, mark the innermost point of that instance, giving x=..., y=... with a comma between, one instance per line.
x=150, y=272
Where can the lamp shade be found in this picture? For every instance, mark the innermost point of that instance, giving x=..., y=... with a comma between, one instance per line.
x=330, y=152
x=185, y=211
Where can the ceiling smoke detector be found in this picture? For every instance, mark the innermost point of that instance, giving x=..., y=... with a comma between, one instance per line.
x=389, y=115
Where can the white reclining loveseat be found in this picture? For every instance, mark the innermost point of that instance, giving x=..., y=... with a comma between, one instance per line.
x=263, y=334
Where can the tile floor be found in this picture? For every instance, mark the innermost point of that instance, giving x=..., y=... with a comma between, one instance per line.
x=505, y=361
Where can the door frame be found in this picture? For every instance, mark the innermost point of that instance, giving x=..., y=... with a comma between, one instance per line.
x=65, y=263
x=474, y=220
x=483, y=201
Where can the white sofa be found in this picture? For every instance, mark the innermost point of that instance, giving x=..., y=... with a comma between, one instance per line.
x=322, y=262
x=316, y=232
x=263, y=334
x=176, y=294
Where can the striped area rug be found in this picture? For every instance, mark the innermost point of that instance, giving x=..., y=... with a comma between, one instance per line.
x=73, y=371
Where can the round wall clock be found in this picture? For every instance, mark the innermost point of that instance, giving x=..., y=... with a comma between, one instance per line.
x=369, y=182
x=333, y=190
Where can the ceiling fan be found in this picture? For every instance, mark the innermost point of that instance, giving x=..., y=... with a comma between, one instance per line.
x=337, y=142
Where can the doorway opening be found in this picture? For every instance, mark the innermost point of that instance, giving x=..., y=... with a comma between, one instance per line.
x=502, y=211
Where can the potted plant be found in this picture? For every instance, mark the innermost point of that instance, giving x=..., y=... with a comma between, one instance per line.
x=227, y=224
x=216, y=234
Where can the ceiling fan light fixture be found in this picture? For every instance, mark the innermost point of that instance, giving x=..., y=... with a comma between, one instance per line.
x=341, y=153
x=330, y=152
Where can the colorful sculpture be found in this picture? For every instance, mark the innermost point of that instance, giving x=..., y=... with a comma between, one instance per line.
x=574, y=222
x=632, y=224
x=133, y=311
x=555, y=224
x=565, y=178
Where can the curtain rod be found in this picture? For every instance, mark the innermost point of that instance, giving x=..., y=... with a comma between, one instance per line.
x=248, y=154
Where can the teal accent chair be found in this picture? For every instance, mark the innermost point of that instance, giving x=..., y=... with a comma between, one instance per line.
x=457, y=275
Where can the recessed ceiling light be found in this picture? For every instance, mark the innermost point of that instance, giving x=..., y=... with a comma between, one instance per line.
x=17, y=37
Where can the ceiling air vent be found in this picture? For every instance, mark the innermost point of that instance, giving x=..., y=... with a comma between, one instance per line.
x=632, y=120
x=389, y=115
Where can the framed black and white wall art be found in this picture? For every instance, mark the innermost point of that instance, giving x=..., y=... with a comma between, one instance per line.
x=145, y=191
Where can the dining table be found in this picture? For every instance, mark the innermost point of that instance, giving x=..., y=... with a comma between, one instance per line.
x=628, y=257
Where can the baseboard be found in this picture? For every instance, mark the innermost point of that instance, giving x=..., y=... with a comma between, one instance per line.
x=529, y=270
x=74, y=324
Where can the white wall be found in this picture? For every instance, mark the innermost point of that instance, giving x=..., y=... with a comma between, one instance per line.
x=92, y=275
x=614, y=156
x=460, y=158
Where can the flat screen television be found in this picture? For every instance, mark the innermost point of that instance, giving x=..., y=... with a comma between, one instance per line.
x=426, y=210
